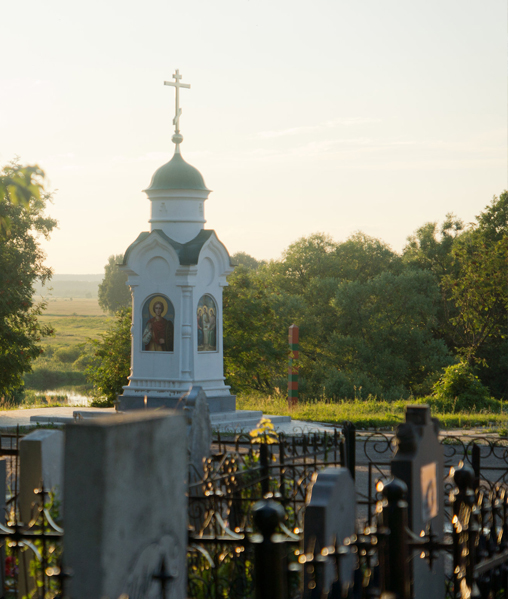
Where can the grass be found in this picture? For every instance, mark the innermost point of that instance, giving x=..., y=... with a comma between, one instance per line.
x=62, y=364
x=73, y=321
x=369, y=413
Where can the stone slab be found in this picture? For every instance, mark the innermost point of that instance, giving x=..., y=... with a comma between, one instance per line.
x=125, y=493
x=330, y=517
x=246, y=424
x=227, y=403
x=199, y=434
x=231, y=421
x=40, y=460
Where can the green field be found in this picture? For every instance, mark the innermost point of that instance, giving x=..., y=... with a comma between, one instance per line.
x=62, y=365
x=74, y=321
x=373, y=413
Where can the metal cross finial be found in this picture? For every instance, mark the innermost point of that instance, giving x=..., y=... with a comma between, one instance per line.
x=177, y=138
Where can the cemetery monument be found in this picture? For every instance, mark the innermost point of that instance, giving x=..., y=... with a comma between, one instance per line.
x=176, y=274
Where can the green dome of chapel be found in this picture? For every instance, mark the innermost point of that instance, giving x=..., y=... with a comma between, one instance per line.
x=177, y=174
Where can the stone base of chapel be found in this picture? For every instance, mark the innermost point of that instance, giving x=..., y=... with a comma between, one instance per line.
x=225, y=403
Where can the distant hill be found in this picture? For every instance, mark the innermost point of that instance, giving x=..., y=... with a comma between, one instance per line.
x=78, y=286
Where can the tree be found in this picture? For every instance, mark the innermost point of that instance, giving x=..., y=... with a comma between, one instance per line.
x=479, y=291
x=470, y=265
x=244, y=259
x=111, y=358
x=383, y=336
x=255, y=336
x=430, y=247
x=22, y=222
x=113, y=291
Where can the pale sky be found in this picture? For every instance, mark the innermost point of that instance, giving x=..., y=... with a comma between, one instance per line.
x=328, y=116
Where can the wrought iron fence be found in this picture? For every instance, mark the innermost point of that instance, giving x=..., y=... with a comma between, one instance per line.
x=241, y=472
x=228, y=558
x=9, y=451
x=486, y=454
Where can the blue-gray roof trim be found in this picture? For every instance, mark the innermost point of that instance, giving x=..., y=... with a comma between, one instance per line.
x=188, y=253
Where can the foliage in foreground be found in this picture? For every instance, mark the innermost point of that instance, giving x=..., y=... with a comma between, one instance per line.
x=22, y=222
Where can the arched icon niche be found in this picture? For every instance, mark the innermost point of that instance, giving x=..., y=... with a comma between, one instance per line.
x=207, y=324
x=158, y=324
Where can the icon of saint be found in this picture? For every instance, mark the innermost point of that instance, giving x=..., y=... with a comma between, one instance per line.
x=159, y=332
x=212, y=339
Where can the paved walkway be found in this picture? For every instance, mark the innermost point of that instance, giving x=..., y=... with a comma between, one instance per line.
x=11, y=418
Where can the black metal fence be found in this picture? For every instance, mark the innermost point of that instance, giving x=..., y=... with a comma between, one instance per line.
x=241, y=472
x=486, y=454
x=246, y=516
x=477, y=547
x=227, y=556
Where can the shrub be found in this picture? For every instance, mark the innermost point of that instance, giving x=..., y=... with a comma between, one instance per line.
x=459, y=387
x=46, y=378
x=67, y=354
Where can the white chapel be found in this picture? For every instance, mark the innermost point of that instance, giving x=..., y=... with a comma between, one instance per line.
x=176, y=272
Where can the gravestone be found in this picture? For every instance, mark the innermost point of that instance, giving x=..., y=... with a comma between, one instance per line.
x=419, y=462
x=330, y=517
x=40, y=460
x=126, y=505
x=199, y=433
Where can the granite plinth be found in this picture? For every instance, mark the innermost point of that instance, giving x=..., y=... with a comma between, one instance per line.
x=226, y=403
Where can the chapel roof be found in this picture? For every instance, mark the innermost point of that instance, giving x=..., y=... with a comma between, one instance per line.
x=188, y=253
x=177, y=174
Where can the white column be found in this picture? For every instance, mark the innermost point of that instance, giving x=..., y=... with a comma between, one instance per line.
x=133, y=287
x=187, y=353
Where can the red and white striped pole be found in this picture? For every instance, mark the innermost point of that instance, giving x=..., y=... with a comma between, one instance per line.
x=293, y=366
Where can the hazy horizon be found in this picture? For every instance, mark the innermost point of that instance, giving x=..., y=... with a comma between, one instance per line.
x=342, y=117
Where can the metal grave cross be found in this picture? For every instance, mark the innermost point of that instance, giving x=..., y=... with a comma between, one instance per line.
x=177, y=85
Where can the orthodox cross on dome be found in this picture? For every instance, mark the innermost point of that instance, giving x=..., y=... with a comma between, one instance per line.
x=177, y=138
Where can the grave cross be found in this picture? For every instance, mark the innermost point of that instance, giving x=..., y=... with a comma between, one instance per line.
x=178, y=111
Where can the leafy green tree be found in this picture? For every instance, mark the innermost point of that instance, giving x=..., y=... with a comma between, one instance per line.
x=22, y=222
x=244, y=259
x=113, y=291
x=383, y=337
x=470, y=267
x=255, y=333
x=479, y=290
x=308, y=276
x=480, y=293
x=430, y=247
x=493, y=221
x=361, y=258
x=109, y=366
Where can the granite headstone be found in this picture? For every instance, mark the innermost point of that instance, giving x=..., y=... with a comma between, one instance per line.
x=330, y=517
x=419, y=462
x=126, y=505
